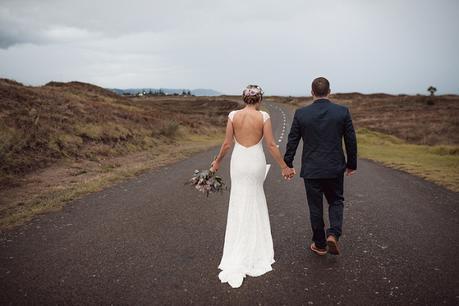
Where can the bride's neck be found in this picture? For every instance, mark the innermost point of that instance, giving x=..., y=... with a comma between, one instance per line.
x=251, y=106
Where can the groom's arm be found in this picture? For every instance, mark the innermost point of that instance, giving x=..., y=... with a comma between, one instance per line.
x=350, y=141
x=293, y=140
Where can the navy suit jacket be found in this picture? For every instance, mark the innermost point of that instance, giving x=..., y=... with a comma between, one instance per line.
x=322, y=125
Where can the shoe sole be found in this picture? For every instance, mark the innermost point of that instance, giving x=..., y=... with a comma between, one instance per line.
x=332, y=247
x=320, y=253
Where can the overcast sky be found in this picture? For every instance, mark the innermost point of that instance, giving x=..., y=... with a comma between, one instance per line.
x=394, y=46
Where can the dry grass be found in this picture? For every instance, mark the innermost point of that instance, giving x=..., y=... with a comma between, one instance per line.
x=42, y=125
x=416, y=119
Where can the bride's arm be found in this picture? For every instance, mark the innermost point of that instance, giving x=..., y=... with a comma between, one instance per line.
x=274, y=150
x=226, y=145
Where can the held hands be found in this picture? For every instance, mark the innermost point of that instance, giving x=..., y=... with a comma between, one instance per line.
x=350, y=172
x=288, y=173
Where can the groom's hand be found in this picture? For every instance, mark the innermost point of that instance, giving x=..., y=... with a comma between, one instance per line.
x=350, y=172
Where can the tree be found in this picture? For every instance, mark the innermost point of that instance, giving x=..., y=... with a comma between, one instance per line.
x=432, y=90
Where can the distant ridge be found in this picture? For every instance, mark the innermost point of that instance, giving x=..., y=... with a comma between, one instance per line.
x=169, y=91
x=81, y=87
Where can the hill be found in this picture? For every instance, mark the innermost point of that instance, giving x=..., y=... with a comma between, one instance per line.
x=79, y=121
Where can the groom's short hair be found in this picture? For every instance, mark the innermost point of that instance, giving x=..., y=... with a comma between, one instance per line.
x=320, y=87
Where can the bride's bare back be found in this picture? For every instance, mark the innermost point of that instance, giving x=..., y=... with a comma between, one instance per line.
x=248, y=127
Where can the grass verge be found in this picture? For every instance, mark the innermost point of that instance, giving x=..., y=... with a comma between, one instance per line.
x=439, y=163
x=52, y=188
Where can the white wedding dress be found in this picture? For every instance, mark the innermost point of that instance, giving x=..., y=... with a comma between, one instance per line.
x=248, y=248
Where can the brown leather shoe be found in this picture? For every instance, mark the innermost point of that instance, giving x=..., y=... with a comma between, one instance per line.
x=317, y=250
x=332, y=244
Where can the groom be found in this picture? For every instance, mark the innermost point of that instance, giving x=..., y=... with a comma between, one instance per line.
x=322, y=126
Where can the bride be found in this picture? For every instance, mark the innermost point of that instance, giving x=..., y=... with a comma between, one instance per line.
x=248, y=248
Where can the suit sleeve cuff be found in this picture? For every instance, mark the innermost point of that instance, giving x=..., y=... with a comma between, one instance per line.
x=289, y=163
x=351, y=166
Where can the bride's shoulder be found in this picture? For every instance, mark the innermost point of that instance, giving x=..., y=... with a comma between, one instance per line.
x=231, y=114
x=265, y=115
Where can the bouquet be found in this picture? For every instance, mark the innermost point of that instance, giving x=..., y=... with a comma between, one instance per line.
x=207, y=181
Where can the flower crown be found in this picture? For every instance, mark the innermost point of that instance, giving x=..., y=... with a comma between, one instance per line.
x=252, y=90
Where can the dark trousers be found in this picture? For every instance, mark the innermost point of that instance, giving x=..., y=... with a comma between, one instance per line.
x=332, y=188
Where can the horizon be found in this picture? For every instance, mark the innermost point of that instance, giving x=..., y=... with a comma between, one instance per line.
x=439, y=92
x=233, y=95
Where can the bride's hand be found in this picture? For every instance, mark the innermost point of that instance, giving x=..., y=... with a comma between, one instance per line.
x=214, y=166
x=288, y=173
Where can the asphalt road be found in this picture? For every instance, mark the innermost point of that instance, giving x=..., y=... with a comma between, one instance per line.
x=153, y=241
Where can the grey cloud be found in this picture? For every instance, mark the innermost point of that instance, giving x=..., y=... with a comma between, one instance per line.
x=392, y=46
x=32, y=21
